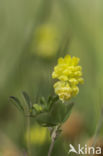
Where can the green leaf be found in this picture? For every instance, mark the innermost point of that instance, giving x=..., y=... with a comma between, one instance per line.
x=17, y=103
x=37, y=107
x=47, y=124
x=58, y=112
x=68, y=108
x=55, y=99
x=51, y=101
x=27, y=99
x=45, y=119
x=43, y=101
x=50, y=98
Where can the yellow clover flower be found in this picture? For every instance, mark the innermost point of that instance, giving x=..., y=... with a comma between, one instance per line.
x=69, y=74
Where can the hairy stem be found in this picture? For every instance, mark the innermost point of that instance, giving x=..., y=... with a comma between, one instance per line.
x=53, y=138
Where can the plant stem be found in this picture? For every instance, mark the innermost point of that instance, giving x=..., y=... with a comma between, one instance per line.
x=98, y=127
x=53, y=138
x=28, y=136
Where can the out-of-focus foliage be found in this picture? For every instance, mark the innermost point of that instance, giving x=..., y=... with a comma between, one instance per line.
x=79, y=26
x=45, y=41
x=38, y=135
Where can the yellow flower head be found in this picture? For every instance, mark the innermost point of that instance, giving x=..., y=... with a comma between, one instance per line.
x=69, y=74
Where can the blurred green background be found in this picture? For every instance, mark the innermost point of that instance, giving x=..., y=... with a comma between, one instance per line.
x=33, y=34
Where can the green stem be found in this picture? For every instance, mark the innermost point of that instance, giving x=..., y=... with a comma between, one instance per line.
x=28, y=137
x=99, y=125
